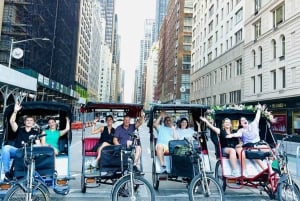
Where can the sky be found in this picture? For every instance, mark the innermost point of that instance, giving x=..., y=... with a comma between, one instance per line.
x=131, y=18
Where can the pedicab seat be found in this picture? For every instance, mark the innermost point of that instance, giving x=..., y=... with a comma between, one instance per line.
x=256, y=154
x=111, y=160
x=89, y=144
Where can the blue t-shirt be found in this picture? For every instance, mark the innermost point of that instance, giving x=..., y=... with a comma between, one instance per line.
x=124, y=134
x=164, y=135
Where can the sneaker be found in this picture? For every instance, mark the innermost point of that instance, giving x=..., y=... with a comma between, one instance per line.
x=163, y=169
x=8, y=176
x=235, y=173
x=94, y=164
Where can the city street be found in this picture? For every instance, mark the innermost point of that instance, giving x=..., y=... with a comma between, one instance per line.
x=171, y=191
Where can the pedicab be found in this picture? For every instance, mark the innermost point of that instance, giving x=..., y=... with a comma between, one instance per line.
x=112, y=165
x=266, y=180
x=187, y=160
x=49, y=170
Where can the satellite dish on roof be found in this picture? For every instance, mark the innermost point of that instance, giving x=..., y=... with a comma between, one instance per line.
x=17, y=53
x=182, y=89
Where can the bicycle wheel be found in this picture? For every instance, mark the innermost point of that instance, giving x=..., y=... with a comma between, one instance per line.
x=18, y=192
x=142, y=189
x=205, y=190
x=288, y=192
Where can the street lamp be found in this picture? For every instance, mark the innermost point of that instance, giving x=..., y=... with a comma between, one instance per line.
x=21, y=41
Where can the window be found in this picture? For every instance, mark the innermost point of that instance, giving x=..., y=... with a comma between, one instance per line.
x=211, y=11
x=215, y=77
x=230, y=70
x=278, y=16
x=257, y=6
x=210, y=26
x=221, y=74
x=283, y=80
x=209, y=57
x=274, y=48
x=223, y=98
x=239, y=67
x=259, y=77
x=257, y=29
x=253, y=84
x=210, y=42
x=260, y=57
x=216, y=36
x=273, y=74
x=282, y=46
x=235, y=96
x=253, y=58
x=238, y=36
x=238, y=15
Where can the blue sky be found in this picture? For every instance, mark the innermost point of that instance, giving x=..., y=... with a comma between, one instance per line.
x=131, y=17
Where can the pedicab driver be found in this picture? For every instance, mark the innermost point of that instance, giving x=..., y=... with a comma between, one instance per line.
x=123, y=134
x=23, y=133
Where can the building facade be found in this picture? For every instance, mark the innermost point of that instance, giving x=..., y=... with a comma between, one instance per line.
x=271, y=53
x=174, y=60
x=217, y=52
x=160, y=12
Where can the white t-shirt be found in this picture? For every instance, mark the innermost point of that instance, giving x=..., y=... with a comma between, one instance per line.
x=250, y=134
x=185, y=133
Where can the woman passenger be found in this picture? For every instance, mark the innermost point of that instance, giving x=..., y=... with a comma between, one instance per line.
x=228, y=145
x=183, y=130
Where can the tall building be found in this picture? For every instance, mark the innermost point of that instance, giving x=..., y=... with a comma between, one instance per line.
x=271, y=53
x=151, y=76
x=84, y=47
x=175, y=53
x=52, y=61
x=217, y=52
x=145, y=47
x=97, y=41
x=160, y=12
x=108, y=13
x=105, y=74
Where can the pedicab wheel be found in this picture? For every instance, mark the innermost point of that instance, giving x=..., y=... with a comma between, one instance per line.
x=205, y=189
x=83, y=186
x=155, y=180
x=219, y=175
x=288, y=192
x=141, y=191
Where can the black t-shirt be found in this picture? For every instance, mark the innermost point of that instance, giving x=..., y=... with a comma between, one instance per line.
x=23, y=136
x=106, y=136
x=227, y=142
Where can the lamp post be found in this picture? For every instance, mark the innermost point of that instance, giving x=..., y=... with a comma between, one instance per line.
x=21, y=41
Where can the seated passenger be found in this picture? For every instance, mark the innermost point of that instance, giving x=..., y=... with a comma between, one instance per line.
x=23, y=133
x=123, y=137
x=250, y=134
x=228, y=145
x=165, y=133
x=183, y=129
x=53, y=135
x=107, y=133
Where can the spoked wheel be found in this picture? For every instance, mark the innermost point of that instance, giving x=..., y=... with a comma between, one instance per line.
x=205, y=189
x=288, y=192
x=219, y=175
x=141, y=191
x=18, y=192
x=155, y=179
x=83, y=186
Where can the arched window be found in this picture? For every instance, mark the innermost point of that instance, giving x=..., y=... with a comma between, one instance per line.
x=274, y=48
x=283, y=45
x=253, y=58
x=260, y=57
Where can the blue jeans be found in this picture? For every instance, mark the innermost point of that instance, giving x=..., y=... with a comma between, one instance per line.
x=8, y=152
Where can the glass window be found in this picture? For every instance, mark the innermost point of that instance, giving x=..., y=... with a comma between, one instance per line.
x=273, y=74
x=239, y=36
x=257, y=6
x=274, y=48
x=283, y=80
x=257, y=29
x=239, y=15
x=239, y=64
x=259, y=77
x=278, y=16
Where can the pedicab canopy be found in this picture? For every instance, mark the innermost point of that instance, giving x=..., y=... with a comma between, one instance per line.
x=133, y=110
x=39, y=110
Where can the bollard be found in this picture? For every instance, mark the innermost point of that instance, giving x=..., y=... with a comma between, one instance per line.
x=298, y=163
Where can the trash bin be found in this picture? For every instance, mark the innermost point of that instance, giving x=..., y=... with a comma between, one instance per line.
x=298, y=163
